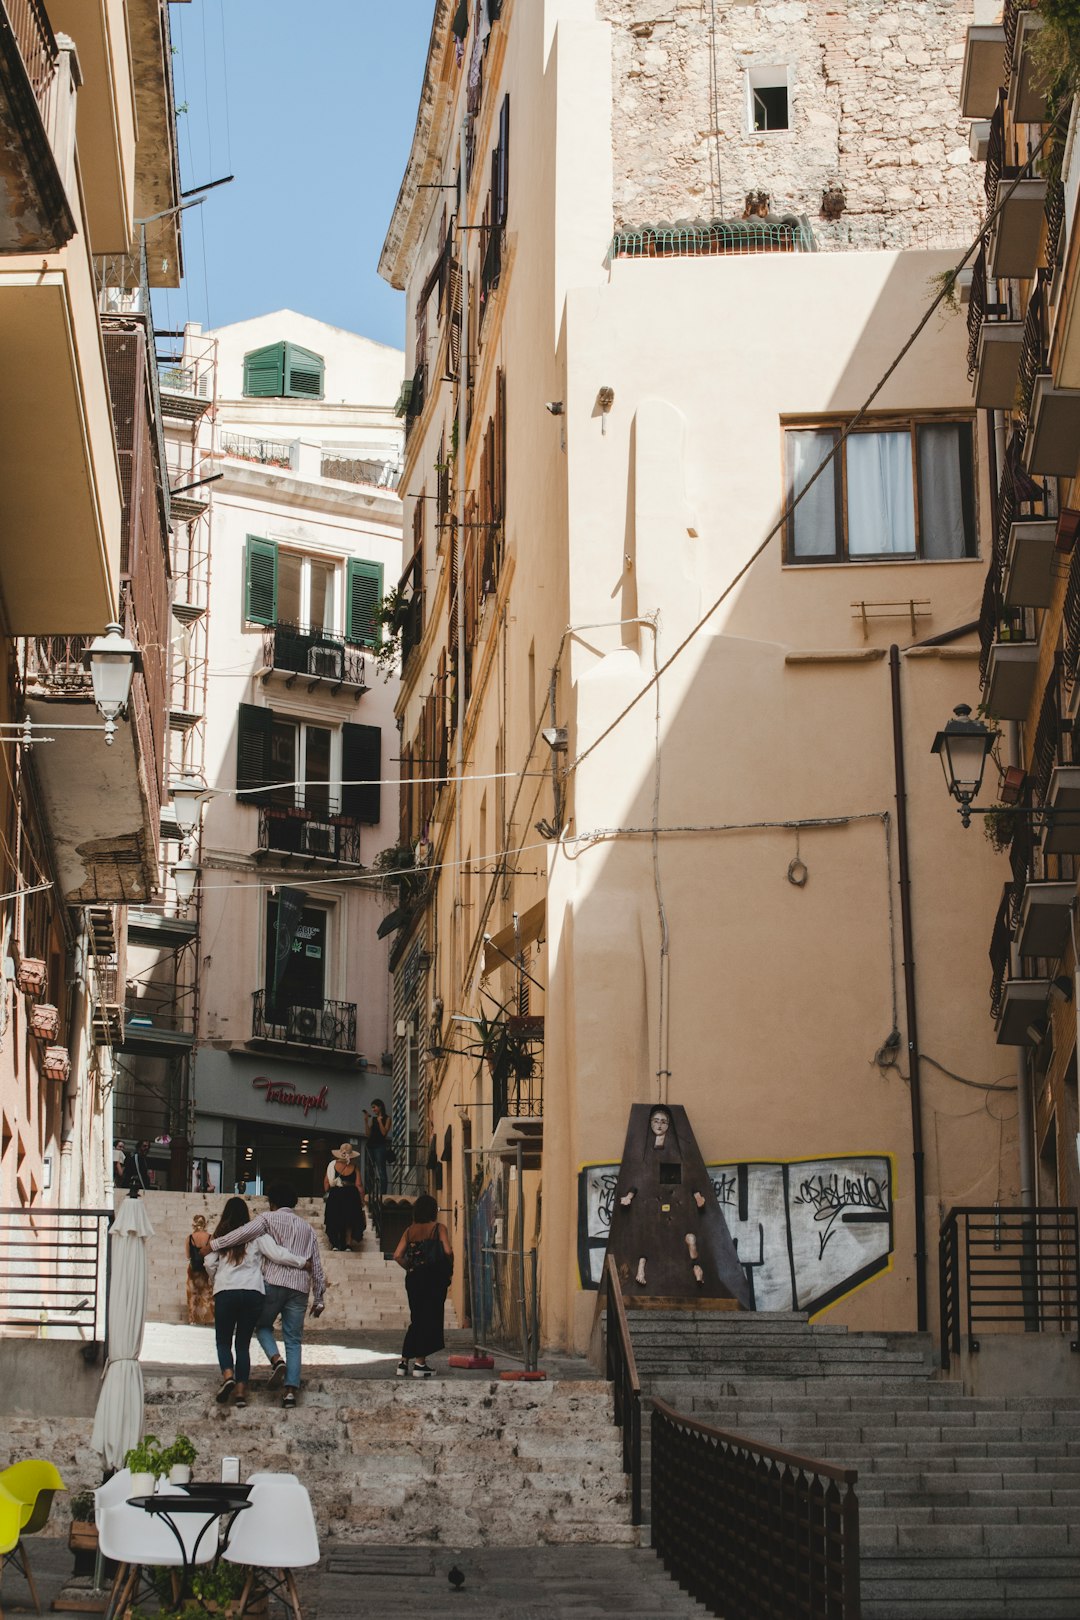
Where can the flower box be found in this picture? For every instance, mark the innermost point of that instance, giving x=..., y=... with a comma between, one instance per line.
x=30, y=976
x=56, y=1063
x=44, y=1021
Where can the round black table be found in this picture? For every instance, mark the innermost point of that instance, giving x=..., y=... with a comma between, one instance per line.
x=213, y=1501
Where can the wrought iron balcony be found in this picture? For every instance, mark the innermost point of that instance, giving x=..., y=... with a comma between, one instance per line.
x=266, y=452
x=37, y=106
x=517, y=1082
x=55, y=666
x=1018, y=994
x=329, y=1027
x=314, y=835
x=318, y=656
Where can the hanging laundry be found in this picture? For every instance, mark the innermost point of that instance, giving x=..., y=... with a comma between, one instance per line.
x=460, y=28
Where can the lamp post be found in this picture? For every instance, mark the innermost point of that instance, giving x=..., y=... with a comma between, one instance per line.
x=185, y=876
x=187, y=796
x=963, y=748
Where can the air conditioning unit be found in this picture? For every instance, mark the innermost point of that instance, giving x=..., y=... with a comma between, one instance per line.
x=328, y=662
x=305, y=1024
x=316, y=838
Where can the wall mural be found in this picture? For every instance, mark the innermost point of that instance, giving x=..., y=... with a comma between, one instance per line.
x=807, y=1231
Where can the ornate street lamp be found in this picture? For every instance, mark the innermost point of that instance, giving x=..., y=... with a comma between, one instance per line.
x=187, y=796
x=185, y=876
x=963, y=748
x=112, y=658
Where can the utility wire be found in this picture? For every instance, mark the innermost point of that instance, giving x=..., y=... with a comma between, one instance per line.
x=948, y=284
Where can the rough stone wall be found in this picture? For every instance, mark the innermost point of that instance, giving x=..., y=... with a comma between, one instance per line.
x=873, y=101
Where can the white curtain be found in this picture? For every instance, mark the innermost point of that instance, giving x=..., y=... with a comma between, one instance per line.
x=814, y=519
x=880, y=495
x=941, y=495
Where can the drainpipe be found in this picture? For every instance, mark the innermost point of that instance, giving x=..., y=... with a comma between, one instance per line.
x=1025, y=1127
x=458, y=606
x=911, y=1009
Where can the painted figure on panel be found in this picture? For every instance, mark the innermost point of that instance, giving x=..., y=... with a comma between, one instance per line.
x=669, y=1238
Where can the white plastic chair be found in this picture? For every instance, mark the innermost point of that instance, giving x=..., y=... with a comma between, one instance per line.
x=136, y=1539
x=275, y=1535
x=268, y=1478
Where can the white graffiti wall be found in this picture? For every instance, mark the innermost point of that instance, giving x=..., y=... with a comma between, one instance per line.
x=807, y=1231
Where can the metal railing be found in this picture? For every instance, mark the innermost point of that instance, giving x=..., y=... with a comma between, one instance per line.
x=720, y=237
x=331, y=1025
x=751, y=1530
x=319, y=654
x=33, y=33
x=56, y=665
x=54, y=1271
x=1004, y=1270
x=360, y=470
x=625, y=1384
x=317, y=834
x=267, y=452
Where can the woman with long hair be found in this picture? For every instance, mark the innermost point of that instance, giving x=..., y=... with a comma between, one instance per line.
x=428, y=1262
x=239, y=1296
x=200, y=1292
x=377, y=1127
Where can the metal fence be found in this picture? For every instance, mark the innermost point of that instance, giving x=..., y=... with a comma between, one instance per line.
x=625, y=1383
x=54, y=1272
x=1006, y=1270
x=750, y=1530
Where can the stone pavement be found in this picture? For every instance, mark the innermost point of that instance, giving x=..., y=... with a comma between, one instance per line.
x=410, y=1583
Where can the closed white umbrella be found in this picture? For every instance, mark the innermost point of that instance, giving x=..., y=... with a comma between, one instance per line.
x=118, y=1421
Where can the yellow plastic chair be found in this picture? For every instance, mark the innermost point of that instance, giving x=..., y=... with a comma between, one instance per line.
x=32, y=1485
x=11, y=1511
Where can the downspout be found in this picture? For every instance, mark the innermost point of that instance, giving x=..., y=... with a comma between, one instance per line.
x=910, y=1005
x=1025, y=1125
x=459, y=596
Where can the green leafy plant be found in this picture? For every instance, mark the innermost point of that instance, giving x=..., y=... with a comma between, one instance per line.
x=1055, y=50
x=943, y=286
x=82, y=1507
x=221, y=1584
x=999, y=825
x=147, y=1457
x=180, y=1452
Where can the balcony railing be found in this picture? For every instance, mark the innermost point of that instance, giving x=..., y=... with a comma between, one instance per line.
x=1001, y=946
x=1006, y=1270
x=318, y=655
x=266, y=452
x=1019, y=496
x=331, y=1026
x=361, y=470
x=30, y=25
x=55, y=666
x=1032, y=349
x=313, y=834
x=712, y=238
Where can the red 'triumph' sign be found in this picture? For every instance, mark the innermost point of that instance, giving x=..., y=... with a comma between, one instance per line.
x=284, y=1092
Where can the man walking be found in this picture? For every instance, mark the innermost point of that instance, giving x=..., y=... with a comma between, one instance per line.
x=286, y=1287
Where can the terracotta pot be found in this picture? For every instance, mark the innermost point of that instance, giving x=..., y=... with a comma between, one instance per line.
x=30, y=976
x=56, y=1063
x=44, y=1021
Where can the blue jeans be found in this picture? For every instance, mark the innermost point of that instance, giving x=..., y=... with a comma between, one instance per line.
x=236, y=1311
x=291, y=1305
x=377, y=1166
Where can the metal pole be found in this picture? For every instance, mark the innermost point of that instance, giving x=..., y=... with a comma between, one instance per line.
x=458, y=605
x=534, y=1334
x=911, y=1007
x=520, y=1246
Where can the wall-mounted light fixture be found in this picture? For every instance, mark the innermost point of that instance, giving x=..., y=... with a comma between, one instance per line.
x=112, y=660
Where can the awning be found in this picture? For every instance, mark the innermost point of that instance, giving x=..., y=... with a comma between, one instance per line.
x=500, y=950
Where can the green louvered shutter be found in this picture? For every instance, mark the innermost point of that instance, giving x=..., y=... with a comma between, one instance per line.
x=254, y=735
x=361, y=768
x=303, y=372
x=260, y=595
x=364, y=591
x=264, y=372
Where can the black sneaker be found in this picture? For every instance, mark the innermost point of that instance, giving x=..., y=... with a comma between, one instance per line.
x=402, y=1368
x=228, y=1384
x=289, y=1398
x=277, y=1374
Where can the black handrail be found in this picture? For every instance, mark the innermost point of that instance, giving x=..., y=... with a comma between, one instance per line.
x=751, y=1530
x=626, y=1386
x=1003, y=1269
x=54, y=1269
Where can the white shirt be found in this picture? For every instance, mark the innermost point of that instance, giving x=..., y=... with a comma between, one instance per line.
x=247, y=1273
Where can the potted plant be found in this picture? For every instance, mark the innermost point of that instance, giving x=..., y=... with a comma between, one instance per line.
x=180, y=1457
x=146, y=1463
x=82, y=1536
x=44, y=1021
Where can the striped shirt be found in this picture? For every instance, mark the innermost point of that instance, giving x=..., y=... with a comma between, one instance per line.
x=292, y=1232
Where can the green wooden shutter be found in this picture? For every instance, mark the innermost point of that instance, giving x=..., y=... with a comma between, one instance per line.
x=364, y=592
x=264, y=372
x=260, y=594
x=303, y=372
x=254, y=733
x=361, y=770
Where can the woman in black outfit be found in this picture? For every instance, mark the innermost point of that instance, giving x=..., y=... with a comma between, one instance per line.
x=428, y=1261
x=345, y=1199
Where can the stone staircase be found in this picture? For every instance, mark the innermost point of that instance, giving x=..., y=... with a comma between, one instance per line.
x=364, y=1291
x=969, y=1506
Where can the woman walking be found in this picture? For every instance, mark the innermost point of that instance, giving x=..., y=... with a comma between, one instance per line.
x=345, y=1198
x=377, y=1125
x=239, y=1296
x=428, y=1261
x=200, y=1291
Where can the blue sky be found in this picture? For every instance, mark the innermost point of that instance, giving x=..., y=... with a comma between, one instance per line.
x=312, y=107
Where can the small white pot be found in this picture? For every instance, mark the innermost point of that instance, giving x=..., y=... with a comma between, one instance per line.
x=180, y=1474
x=142, y=1484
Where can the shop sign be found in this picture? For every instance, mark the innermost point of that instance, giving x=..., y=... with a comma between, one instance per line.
x=285, y=1093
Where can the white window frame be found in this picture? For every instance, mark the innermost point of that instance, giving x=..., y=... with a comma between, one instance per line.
x=302, y=719
x=306, y=560
x=767, y=76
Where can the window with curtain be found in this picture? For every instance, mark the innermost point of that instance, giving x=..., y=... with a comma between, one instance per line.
x=893, y=492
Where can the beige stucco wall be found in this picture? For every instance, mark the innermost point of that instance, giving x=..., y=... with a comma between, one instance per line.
x=776, y=997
